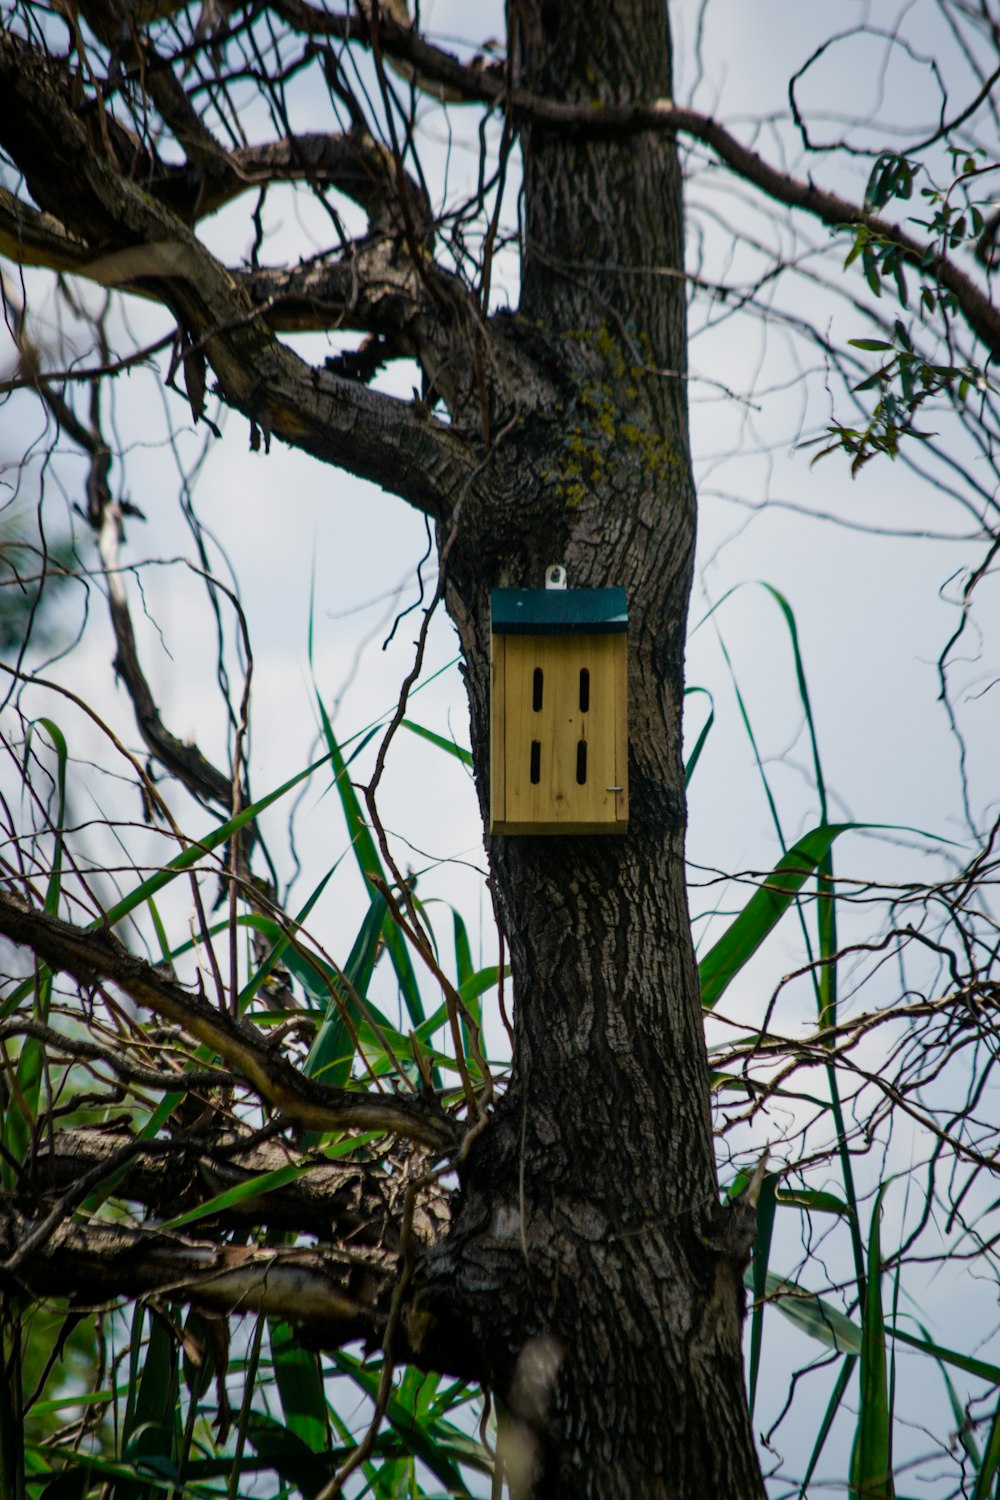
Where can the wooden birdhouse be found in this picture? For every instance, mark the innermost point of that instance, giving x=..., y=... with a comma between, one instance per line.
x=559, y=726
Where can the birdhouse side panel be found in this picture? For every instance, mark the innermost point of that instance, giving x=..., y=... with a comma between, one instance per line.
x=620, y=666
x=498, y=725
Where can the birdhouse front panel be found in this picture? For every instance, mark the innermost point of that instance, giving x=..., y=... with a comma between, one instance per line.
x=559, y=712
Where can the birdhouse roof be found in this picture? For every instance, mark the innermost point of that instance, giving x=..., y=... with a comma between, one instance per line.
x=558, y=611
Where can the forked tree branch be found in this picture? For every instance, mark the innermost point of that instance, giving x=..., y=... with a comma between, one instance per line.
x=367, y=288
x=372, y=435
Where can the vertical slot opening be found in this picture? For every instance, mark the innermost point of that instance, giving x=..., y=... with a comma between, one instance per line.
x=536, y=762
x=536, y=690
x=581, y=762
x=584, y=690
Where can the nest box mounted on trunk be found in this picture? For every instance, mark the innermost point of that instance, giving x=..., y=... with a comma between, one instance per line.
x=559, y=715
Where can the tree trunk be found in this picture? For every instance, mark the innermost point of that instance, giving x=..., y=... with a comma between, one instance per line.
x=592, y=1272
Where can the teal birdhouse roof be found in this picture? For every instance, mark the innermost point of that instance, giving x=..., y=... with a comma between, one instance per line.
x=558, y=611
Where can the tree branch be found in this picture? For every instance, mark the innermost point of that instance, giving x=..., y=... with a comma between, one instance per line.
x=372, y=435
x=337, y=1292
x=356, y=1203
x=368, y=288
x=356, y=166
x=474, y=83
x=92, y=956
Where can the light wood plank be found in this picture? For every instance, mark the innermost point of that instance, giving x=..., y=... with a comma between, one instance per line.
x=558, y=802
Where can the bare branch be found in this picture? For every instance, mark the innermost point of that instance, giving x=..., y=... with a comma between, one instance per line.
x=356, y=1203
x=375, y=436
x=90, y=956
x=356, y=166
x=596, y=118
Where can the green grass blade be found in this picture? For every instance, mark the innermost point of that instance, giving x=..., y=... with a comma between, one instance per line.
x=811, y=1314
x=179, y=865
x=813, y=1200
x=465, y=756
x=329, y=1058
x=265, y=1182
x=980, y=1368
x=991, y=1462
x=418, y=1440
x=210, y=841
x=160, y=930
x=21, y=1110
x=21, y=1105
x=58, y=739
x=148, y=1435
x=252, y=1187
x=871, y=1464
x=703, y=734
x=464, y=966
x=769, y=903
x=821, y=1321
x=800, y=676
x=764, y=910
x=477, y=984
x=962, y=1428
x=299, y=1379
x=832, y=1407
x=758, y=1268
x=282, y=942
x=371, y=868
x=284, y=1451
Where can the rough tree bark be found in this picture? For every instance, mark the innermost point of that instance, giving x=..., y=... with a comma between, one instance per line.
x=590, y=1275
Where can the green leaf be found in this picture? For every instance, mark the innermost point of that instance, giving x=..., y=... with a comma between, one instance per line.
x=463, y=950
x=179, y=865
x=813, y=1200
x=449, y=746
x=980, y=1368
x=833, y=1405
x=764, y=910
x=991, y=1460
x=703, y=733
x=820, y=1320
x=811, y=1314
x=291, y=1458
x=371, y=869
x=300, y=1386
x=871, y=1462
x=758, y=1268
x=329, y=1058
x=253, y=1187
x=152, y=1414
x=281, y=942
x=860, y=240
x=477, y=984
x=960, y=1416
x=21, y=1110
x=870, y=344
x=422, y=1441
x=58, y=739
